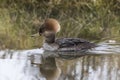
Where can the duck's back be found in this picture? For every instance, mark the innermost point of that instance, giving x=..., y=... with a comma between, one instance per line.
x=74, y=44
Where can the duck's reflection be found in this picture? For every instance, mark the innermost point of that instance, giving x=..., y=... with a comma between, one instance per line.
x=49, y=69
x=49, y=63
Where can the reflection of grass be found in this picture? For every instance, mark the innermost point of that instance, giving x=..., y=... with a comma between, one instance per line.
x=85, y=18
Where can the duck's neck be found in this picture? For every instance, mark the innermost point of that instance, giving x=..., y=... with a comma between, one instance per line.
x=50, y=38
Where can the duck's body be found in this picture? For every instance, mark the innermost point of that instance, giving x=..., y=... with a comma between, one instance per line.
x=61, y=44
x=68, y=44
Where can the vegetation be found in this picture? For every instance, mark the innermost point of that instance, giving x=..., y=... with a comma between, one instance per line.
x=89, y=19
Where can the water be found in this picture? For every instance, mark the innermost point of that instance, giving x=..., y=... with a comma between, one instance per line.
x=100, y=63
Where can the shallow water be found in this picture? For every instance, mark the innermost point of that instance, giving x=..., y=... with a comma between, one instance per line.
x=100, y=63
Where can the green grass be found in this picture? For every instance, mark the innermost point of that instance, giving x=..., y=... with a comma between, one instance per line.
x=92, y=20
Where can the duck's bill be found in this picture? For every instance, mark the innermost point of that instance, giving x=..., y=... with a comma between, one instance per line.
x=35, y=35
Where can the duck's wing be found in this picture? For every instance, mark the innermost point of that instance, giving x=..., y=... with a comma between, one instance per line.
x=74, y=43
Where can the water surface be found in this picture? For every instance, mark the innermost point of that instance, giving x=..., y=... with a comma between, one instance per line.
x=100, y=63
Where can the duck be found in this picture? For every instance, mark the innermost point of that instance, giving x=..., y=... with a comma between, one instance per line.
x=50, y=28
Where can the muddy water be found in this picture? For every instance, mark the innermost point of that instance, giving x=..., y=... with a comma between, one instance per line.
x=100, y=63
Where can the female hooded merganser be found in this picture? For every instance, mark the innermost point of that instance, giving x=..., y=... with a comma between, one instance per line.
x=50, y=27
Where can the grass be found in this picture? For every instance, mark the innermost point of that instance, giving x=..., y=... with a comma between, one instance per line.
x=89, y=19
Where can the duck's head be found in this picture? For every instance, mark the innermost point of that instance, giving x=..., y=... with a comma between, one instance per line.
x=50, y=25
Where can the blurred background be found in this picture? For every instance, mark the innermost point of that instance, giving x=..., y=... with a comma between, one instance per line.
x=95, y=20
